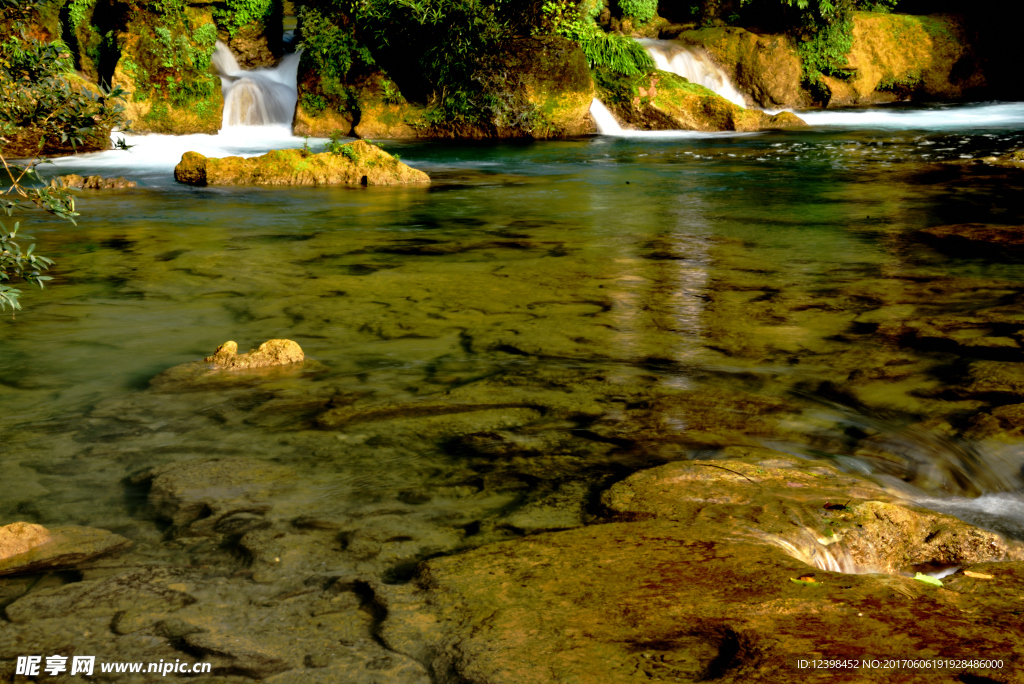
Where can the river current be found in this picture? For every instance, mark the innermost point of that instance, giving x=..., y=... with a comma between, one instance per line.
x=544, y=319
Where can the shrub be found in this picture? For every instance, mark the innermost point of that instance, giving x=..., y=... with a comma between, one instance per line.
x=641, y=10
x=575, y=20
x=45, y=106
x=237, y=13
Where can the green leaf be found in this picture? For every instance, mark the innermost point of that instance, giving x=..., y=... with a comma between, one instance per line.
x=927, y=579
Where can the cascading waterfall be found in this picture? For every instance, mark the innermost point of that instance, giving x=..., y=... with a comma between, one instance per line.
x=262, y=97
x=694, y=65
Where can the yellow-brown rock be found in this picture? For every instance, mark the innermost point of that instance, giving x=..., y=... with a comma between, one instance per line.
x=19, y=537
x=665, y=101
x=27, y=548
x=765, y=67
x=898, y=55
x=702, y=575
x=270, y=353
x=357, y=163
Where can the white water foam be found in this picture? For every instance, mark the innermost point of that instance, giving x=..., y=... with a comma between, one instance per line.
x=152, y=158
x=1001, y=512
x=694, y=65
x=991, y=115
x=261, y=97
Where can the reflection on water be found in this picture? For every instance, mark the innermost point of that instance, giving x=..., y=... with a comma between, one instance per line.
x=540, y=321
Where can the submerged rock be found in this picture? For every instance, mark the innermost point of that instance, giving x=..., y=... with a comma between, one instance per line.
x=73, y=180
x=212, y=496
x=700, y=576
x=26, y=548
x=358, y=163
x=977, y=239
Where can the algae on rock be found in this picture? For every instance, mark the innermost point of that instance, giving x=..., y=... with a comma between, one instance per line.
x=664, y=101
x=165, y=65
x=357, y=163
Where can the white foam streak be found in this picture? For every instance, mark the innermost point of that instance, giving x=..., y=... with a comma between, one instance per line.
x=1001, y=512
x=694, y=65
x=999, y=115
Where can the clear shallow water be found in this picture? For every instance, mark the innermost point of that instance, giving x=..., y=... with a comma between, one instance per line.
x=544, y=319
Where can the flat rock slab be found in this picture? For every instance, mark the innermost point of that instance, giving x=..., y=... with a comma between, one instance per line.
x=63, y=548
x=978, y=239
x=357, y=163
x=719, y=571
x=652, y=600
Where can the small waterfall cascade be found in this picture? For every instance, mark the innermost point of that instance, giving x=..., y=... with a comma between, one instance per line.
x=606, y=123
x=694, y=65
x=261, y=97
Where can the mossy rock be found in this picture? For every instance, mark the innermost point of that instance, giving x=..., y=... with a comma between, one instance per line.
x=702, y=574
x=258, y=43
x=179, y=99
x=665, y=101
x=765, y=67
x=544, y=83
x=358, y=163
x=555, y=82
x=896, y=56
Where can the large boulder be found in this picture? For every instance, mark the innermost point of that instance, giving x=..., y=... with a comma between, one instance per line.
x=357, y=163
x=665, y=101
x=894, y=56
x=766, y=68
x=164, y=64
x=555, y=83
x=542, y=86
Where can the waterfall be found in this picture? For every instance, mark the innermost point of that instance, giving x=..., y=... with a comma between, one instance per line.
x=606, y=123
x=694, y=65
x=261, y=97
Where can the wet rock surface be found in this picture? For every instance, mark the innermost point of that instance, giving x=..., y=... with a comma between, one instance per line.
x=28, y=549
x=96, y=182
x=670, y=102
x=480, y=375
x=695, y=588
x=975, y=239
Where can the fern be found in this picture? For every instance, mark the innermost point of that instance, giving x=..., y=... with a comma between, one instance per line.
x=617, y=53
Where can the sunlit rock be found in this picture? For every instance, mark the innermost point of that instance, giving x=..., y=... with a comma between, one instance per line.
x=357, y=163
x=721, y=571
x=270, y=353
x=26, y=548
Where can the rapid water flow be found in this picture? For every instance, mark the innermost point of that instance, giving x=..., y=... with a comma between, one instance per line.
x=936, y=118
x=262, y=97
x=694, y=65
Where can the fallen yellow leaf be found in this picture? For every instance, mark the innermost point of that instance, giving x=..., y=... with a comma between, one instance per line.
x=978, y=575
